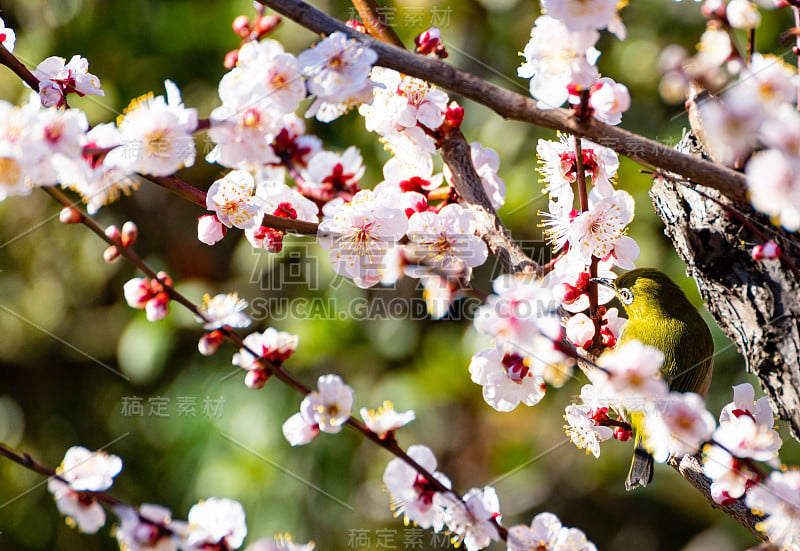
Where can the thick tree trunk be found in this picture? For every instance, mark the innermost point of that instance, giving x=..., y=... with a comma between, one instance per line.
x=756, y=303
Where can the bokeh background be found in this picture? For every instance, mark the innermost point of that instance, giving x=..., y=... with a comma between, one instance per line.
x=65, y=329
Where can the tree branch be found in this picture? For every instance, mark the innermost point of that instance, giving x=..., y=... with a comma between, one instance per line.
x=514, y=106
x=690, y=468
x=455, y=151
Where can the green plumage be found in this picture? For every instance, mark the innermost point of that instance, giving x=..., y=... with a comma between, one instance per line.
x=660, y=315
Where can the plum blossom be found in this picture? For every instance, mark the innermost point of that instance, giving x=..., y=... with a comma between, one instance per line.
x=559, y=169
x=224, y=309
x=522, y=316
x=743, y=14
x=600, y=231
x=272, y=345
x=358, y=235
x=233, y=201
x=470, y=519
x=633, y=375
x=583, y=422
x=278, y=199
x=569, y=281
x=736, y=439
x=265, y=75
x=778, y=498
x=216, y=522
x=401, y=101
x=281, y=542
x=210, y=230
x=156, y=134
x=609, y=100
x=679, y=426
x=731, y=127
x=330, y=175
x=72, y=76
x=80, y=473
x=7, y=37
x=149, y=295
x=556, y=58
x=413, y=495
x=507, y=379
x=325, y=409
x=579, y=15
x=143, y=529
x=243, y=135
x=385, y=419
x=446, y=240
x=546, y=533
x=96, y=177
x=744, y=403
x=338, y=75
x=779, y=194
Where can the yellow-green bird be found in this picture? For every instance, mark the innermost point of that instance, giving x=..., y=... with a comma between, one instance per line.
x=660, y=315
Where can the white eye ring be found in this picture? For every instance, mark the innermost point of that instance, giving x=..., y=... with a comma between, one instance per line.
x=626, y=296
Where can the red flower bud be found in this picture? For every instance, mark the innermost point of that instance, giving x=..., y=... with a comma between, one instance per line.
x=231, y=59
x=241, y=26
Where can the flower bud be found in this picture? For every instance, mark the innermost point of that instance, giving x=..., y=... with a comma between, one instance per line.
x=266, y=24
x=50, y=94
x=454, y=115
x=129, y=233
x=622, y=434
x=580, y=330
x=241, y=26
x=768, y=251
x=137, y=292
x=70, y=215
x=157, y=307
x=209, y=342
x=111, y=254
x=209, y=229
x=427, y=41
x=113, y=233
x=256, y=379
x=231, y=59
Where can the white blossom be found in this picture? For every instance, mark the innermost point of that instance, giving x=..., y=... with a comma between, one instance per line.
x=233, y=201
x=470, y=520
x=446, y=240
x=385, y=419
x=136, y=534
x=338, y=75
x=678, y=427
x=358, y=235
x=7, y=37
x=73, y=76
x=632, y=376
x=156, y=134
x=216, y=521
x=556, y=58
x=579, y=15
x=778, y=497
x=224, y=309
x=413, y=495
x=507, y=379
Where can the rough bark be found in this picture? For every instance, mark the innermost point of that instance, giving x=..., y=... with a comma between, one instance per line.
x=756, y=303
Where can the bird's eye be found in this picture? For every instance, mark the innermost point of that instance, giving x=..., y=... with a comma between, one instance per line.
x=626, y=296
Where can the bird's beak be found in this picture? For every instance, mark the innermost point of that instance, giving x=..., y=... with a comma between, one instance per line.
x=604, y=281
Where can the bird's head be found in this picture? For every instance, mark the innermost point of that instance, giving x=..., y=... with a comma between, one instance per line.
x=647, y=292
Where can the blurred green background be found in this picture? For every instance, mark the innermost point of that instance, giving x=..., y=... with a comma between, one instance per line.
x=66, y=329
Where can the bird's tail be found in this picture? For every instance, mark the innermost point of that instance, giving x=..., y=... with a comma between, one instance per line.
x=641, y=473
